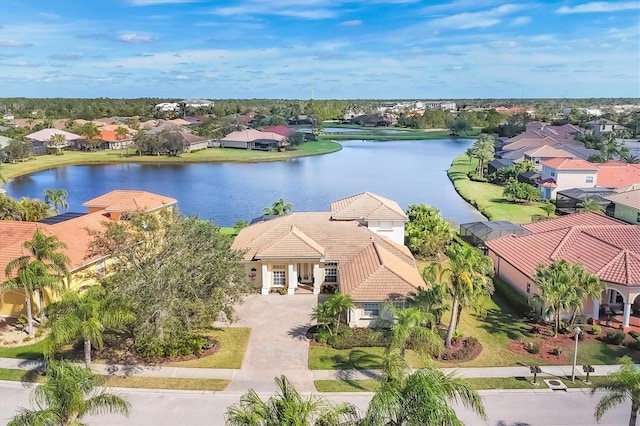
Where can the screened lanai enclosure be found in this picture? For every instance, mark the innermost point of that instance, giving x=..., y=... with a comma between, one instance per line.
x=476, y=233
x=567, y=201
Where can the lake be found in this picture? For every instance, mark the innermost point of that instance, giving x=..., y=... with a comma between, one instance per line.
x=406, y=171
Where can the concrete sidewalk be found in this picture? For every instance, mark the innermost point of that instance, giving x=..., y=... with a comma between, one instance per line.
x=229, y=374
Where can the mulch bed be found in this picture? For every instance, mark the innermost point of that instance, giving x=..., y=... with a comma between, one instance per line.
x=452, y=355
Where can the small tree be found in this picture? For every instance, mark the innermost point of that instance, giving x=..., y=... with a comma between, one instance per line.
x=57, y=140
x=70, y=393
x=279, y=208
x=56, y=198
x=590, y=205
x=548, y=208
x=520, y=192
x=329, y=314
x=427, y=234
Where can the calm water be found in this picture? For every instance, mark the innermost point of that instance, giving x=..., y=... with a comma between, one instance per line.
x=406, y=171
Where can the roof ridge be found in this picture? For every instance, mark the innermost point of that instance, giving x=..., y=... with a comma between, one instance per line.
x=625, y=269
x=302, y=236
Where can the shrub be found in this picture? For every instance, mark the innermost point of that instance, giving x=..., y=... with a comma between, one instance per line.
x=322, y=336
x=363, y=337
x=596, y=330
x=533, y=347
x=615, y=337
x=557, y=351
x=171, y=346
x=280, y=290
x=634, y=334
x=22, y=321
x=634, y=344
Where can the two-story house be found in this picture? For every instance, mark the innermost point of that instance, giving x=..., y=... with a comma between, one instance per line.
x=356, y=248
x=563, y=173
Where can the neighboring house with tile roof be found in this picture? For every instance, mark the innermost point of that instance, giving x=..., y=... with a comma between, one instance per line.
x=346, y=249
x=626, y=206
x=253, y=139
x=73, y=230
x=110, y=139
x=606, y=247
x=545, y=152
x=562, y=173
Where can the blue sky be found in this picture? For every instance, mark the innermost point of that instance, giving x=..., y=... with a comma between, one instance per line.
x=343, y=49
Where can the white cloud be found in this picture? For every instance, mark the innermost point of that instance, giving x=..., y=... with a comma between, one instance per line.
x=520, y=20
x=482, y=19
x=182, y=77
x=157, y=2
x=136, y=38
x=5, y=42
x=599, y=6
x=67, y=56
x=353, y=23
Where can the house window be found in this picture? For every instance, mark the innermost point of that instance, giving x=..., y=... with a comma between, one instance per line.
x=331, y=272
x=638, y=218
x=553, y=173
x=371, y=310
x=279, y=278
x=528, y=288
x=589, y=179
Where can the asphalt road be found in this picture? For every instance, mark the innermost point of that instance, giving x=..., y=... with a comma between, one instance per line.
x=504, y=408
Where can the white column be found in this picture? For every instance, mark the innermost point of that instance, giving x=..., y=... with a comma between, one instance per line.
x=627, y=314
x=292, y=276
x=266, y=280
x=316, y=279
x=596, y=309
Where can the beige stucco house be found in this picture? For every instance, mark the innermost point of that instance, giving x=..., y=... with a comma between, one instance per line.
x=606, y=247
x=356, y=248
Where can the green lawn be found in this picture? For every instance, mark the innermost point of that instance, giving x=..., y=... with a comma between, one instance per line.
x=475, y=383
x=33, y=351
x=327, y=358
x=129, y=381
x=203, y=156
x=174, y=383
x=233, y=344
x=487, y=197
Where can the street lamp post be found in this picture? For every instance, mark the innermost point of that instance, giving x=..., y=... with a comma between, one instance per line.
x=575, y=356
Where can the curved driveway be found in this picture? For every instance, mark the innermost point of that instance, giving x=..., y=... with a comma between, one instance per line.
x=277, y=344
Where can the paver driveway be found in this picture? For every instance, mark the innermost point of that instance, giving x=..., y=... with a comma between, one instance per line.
x=278, y=344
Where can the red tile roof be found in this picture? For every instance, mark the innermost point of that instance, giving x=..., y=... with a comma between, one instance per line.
x=606, y=247
x=367, y=206
x=124, y=200
x=614, y=174
x=569, y=164
x=280, y=130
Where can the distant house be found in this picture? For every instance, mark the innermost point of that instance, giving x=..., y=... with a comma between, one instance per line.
x=112, y=140
x=603, y=126
x=371, y=120
x=253, y=139
x=193, y=142
x=498, y=163
x=626, y=206
x=280, y=130
x=545, y=152
x=562, y=173
x=300, y=119
x=41, y=140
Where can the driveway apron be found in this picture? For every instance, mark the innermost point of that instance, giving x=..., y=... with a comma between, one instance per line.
x=278, y=345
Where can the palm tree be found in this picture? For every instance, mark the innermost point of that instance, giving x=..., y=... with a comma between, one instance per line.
x=466, y=275
x=10, y=209
x=279, y=208
x=431, y=300
x=84, y=318
x=558, y=291
x=70, y=393
x=34, y=210
x=588, y=286
x=56, y=198
x=412, y=326
x=590, y=205
x=419, y=398
x=288, y=408
x=484, y=150
x=45, y=265
x=329, y=314
x=620, y=386
x=469, y=153
x=548, y=208
x=57, y=140
x=24, y=279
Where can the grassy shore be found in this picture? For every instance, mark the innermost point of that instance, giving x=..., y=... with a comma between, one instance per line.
x=407, y=134
x=211, y=155
x=487, y=197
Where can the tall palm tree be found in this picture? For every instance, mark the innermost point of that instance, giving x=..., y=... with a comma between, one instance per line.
x=467, y=275
x=56, y=198
x=558, y=291
x=57, y=140
x=588, y=286
x=620, y=386
x=420, y=398
x=84, y=317
x=279, y=208
x=45, y=265
x=484, y=150
x=431, y=300
x=590, y=205
x=34, y=210
x=288, y=408
x=25, y=279
x=70, y=393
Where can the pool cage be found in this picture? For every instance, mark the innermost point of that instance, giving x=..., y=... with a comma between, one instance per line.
x=477, y=233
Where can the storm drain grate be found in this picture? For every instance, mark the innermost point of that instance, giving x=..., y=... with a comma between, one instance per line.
x=555, y=384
